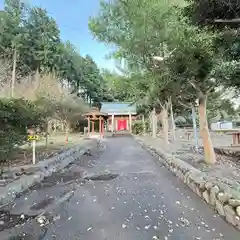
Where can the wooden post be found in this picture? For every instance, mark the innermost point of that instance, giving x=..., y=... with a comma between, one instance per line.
x=100, y=126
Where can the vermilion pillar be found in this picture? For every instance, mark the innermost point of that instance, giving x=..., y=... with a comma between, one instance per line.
x=88, y=126
x=92, y=126
x=102, y=127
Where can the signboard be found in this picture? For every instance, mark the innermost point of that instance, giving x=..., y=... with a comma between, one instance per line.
x=33, y=137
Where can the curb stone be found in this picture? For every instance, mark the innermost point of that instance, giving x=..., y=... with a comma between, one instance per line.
x=223, y=198
x=45, y=169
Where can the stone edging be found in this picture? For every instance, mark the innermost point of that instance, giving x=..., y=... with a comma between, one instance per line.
x=46, y=168
x=223, y=198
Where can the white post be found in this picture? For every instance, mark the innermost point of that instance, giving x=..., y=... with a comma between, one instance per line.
x=34, y=151
x=150, y=122
x=113, y=123
x=130, y=122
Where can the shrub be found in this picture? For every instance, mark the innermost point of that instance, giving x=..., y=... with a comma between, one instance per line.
x=15, y=116
x=137, y=127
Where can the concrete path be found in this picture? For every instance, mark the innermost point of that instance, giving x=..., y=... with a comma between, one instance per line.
x=145, y=201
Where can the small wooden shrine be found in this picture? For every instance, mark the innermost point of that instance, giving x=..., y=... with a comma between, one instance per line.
x=95, y=117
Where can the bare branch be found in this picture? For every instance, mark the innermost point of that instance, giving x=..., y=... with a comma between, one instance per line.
x=161, y=105
x=194, y=86
x=211, y=88
x=185, y=105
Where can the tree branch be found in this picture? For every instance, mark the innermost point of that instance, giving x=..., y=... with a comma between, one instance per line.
x=184, y=105
x=193, y=85
x=210, y=89
x=160, y=103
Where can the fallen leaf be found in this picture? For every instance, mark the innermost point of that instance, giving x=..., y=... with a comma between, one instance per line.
x=124, y=225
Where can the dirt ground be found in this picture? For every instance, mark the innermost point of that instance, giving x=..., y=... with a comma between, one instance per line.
x=226, y=169
x=22, y=156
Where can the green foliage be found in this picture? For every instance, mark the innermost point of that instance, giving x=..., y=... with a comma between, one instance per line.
x=194, y=61
x=131, y=26
x=15, y=116
x=121, y=87
x=138, y=127
x=227, y=40
x=142, y=29
x=219, y=108
x=42, y=38
x=12, y=31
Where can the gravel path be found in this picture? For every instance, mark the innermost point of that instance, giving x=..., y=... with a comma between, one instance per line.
x=144, y=202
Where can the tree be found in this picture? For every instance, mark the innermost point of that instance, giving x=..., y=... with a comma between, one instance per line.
x=30, y=39
x=138, y=30
x=142, y=30
x=12, y=33
x=41, y=42
x=121, y=87
x=30, y=45
x=222, y=17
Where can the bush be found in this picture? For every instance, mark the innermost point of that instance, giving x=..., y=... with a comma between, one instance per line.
x=15, y=116
x=137, y=127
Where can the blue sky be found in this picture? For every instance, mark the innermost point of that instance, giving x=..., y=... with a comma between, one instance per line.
x=72, y=19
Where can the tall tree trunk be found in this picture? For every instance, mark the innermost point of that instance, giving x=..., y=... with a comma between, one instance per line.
x=173, y=123
x=150, y=122
x=209, y=154
x=143, y=124
x=164, y=121
x=154, y=127
x=14, y=72
x=37, y=76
